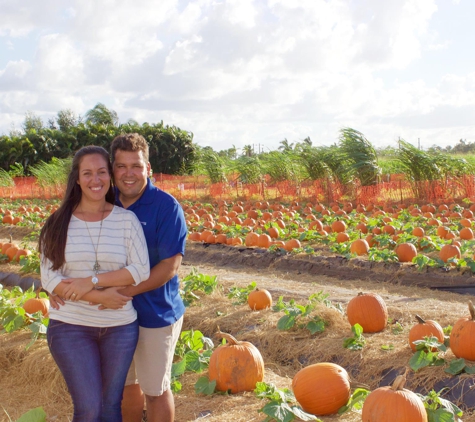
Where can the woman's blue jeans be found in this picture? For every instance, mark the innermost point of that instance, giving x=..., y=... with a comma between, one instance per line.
x=94, y=362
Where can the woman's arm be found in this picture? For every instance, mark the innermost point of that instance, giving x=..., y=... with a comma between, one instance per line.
x=75, y=288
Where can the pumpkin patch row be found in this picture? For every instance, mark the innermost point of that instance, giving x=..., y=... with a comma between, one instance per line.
x=442, y=235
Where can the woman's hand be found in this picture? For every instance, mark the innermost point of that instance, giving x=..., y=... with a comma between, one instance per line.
x=76, y=288
x=111, y=298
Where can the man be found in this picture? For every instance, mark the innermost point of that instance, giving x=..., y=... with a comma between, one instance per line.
x=157, y=300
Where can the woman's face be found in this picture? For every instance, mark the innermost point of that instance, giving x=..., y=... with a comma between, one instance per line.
x=94, y=177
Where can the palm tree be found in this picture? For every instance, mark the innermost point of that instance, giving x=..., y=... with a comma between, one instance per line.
x=285, y=146
x=100, y=114
x=248, y=151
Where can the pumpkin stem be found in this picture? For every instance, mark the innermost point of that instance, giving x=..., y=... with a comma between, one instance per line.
x=229, y=338
x=354, y=384
x=419, y=319
x=471, y=309
x=399, y=382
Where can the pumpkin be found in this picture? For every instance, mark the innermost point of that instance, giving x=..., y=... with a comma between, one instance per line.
x=359, y=247
x=292, y=244
x=195, y=236
x=418, y=231
x=406, y=252
x=425, y=328
x=11, y=252
x=338, y=226
x=236, y=366
x=7, y=219
x=322, y=388
x=7, y=246
x=449, y=251
x=204, y=235
x=221, y=238
x=273, y=232
x=394, y=404
x=368, y=310
x=251, y=239
x=466, y=233
x=462, y=336
x=342, y=237
x=34, y=305
x=264, y=241
x=259, y=299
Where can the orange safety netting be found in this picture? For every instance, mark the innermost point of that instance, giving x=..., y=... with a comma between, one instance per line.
x=198, y=188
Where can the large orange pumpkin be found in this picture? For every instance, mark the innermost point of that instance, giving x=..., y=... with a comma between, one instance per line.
x=462, y=336
x=259, y=299
x=368, y=310
x=321, y=388
x=394, y=404
x=236, y=366
x=34, y=305
x=425, y=328
x=406, y=252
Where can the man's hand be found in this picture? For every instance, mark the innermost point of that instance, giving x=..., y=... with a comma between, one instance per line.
x=112, y=298
x=55, y=301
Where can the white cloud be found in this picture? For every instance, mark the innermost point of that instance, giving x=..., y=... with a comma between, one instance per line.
x=235, y=70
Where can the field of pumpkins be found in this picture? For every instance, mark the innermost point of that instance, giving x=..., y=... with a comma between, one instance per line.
x=428, y=236
x=297, y=345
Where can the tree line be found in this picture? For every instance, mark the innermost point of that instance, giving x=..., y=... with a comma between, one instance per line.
x=171, y=149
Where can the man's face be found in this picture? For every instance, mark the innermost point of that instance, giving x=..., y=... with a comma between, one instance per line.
x=130, y=175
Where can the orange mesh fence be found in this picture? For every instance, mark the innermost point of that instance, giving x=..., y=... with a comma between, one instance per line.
x=198, y=188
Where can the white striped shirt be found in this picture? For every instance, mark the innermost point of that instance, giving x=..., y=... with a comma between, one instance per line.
x=121, y=245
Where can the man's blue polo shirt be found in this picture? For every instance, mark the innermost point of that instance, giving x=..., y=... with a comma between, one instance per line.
x=164, y=225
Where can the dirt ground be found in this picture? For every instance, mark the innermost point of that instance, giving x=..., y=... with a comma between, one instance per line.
x=404, y=290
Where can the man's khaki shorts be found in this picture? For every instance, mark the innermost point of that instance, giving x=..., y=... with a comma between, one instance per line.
x=152, y=364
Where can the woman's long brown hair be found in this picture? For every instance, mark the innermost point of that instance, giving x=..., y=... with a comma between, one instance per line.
x=53, y=236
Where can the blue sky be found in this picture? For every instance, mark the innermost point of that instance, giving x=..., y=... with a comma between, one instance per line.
x=238, y=72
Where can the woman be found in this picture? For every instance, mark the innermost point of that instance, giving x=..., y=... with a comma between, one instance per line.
x=89, y=249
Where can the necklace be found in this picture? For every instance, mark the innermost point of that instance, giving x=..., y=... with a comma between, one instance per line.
x=96, y=266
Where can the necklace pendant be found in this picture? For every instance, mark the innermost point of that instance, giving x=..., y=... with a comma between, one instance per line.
x=96, y=267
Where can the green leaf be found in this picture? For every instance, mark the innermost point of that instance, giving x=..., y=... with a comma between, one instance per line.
x=357, y=330
x=33, y=415
x=286, y=322
x=356, y=401
x=178, y=368
x=470, y=369
x=304, y=416
x=440, y=415
x=419, y=360
x=456, y=366
x=279, y=411
x=316, y=326
x=205, y=386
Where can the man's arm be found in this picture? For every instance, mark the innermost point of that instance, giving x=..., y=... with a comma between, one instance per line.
x=159, y=275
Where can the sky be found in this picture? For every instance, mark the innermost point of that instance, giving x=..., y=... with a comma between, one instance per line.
x=247, y=72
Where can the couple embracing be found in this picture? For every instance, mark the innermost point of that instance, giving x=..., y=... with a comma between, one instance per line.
x=109, y=260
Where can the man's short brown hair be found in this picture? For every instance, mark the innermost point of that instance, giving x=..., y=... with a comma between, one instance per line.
x=129, y=142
